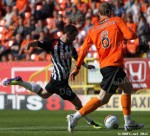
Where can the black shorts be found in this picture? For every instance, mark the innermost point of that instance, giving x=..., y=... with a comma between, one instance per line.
x=61, y=88
x=112, y=77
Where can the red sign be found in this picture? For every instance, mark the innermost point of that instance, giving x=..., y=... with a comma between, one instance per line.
x=138, y=72
x=26, y=70
x=137, y=69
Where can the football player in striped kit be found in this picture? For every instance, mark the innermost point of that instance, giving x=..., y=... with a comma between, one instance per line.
x=62, y=51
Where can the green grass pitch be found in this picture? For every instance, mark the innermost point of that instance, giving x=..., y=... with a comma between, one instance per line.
x=53, y=123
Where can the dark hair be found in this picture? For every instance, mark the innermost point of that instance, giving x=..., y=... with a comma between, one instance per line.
x=105, y=8
x=70, y=29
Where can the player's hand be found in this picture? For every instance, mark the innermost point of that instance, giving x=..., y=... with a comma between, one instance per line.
x=74, y=73
x=90, y=67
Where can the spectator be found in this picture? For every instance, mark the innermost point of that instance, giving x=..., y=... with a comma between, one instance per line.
x=40, y=27
x=130, y=23
x=51, y=22
x=144, y=6
x=2, y=50
x=95, y=20
x=135, y=10
x=10, y=57
x=22, y=6
x=128, y=6
x=1, y=15
x=14, y=22
x=59, y=23
x=20, y=27
x=28, y=28
x=2, y=7
x=68, y=7
x=47, y=9
x=76, y=16
x=88, y=25
x=16, y=47
x=32, y=23
x=9, y=15
x=118, y=9
x=9, y=2
x=143, y=31
x=131, y=46
x=148, y=15
x=22, y=49
x=94, y=2
x=82, y=6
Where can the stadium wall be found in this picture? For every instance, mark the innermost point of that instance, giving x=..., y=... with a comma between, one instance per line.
x=137, y=69
x=34, y=102
x=15, y=97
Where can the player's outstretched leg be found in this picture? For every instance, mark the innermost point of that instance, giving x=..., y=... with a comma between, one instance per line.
x=91, y=122
x=12, y=81
x=33, y=87
x=78, y=105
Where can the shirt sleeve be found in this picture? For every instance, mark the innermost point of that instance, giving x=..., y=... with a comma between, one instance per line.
x=74, y=53
x=127, y=33
x=84, y=50
x=46, y=45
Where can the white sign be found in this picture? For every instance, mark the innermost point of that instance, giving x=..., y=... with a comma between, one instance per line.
x=94, y=76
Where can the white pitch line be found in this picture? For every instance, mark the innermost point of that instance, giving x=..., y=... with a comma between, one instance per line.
x=49, y=128
x=39, y=127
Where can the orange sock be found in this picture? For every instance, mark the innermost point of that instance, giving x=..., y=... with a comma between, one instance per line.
x=90, y=106
x=126, y=104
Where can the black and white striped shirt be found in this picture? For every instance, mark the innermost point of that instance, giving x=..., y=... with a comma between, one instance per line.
x=61, y=55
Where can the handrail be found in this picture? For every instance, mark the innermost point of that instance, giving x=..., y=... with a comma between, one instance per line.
x=38, y=72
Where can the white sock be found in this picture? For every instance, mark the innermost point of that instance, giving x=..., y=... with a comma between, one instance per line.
x=31, y=86
x=127, y=119
x=77, y=115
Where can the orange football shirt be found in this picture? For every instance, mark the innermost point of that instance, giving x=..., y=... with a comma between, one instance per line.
x=108, y=38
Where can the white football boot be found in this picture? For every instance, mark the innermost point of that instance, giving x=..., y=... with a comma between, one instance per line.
x=71, y=123
x=133, y=126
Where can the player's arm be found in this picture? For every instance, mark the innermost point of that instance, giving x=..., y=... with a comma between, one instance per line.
x=127, y=33
x=83, y=52
x=46, y=45
x=75, y=56
x=33, y=44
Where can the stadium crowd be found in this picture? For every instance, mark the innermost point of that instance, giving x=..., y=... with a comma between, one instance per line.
x=22, y=21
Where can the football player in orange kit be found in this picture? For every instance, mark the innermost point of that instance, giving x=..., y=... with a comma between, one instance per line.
x=108, y=38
